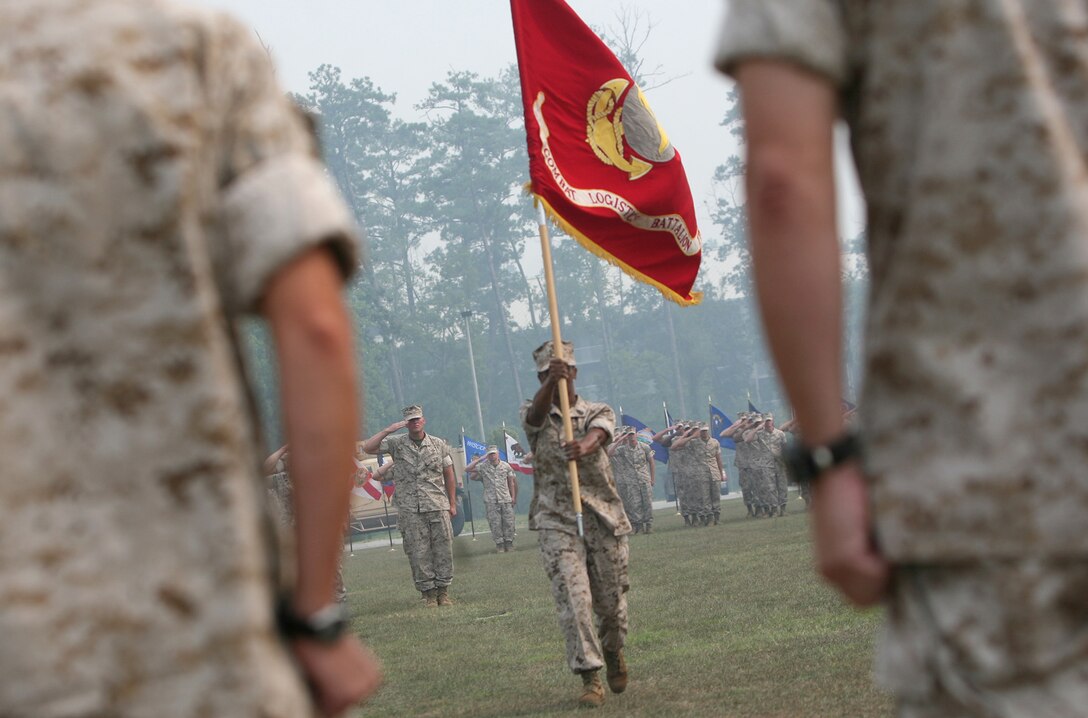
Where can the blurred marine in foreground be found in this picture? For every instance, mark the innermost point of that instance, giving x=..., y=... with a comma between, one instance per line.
x=969, y=128
x=155, y=186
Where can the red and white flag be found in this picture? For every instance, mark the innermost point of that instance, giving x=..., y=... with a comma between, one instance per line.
x=599, y=160
x=370, y=488
x=517, y=456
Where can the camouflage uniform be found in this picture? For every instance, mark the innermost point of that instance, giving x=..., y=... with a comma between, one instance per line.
x=707, y=477
x=969, y=125
x=680, y=473
x=775, y=441
x=742, y=459
x=153, y=179
x=280, y=490
x=497, y=500
x=423, y=508
x=765, y=493
x=632, y=464
x=589, y=577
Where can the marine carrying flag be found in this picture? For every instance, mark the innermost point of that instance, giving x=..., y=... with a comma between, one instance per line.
x=598, y=159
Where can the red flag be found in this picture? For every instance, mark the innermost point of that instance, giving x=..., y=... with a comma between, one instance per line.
x=389, y=487
x=598, y=158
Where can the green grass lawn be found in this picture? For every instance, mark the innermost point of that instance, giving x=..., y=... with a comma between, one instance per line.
x=726, y=620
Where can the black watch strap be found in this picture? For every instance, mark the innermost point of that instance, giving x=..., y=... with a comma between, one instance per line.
x=324, y=626
x=807, y=463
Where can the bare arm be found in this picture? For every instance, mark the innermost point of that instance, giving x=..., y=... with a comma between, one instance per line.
x=312, y=335
x=682, y=441
x=451, y=488
x=790, y=116
x=731, y=429
x=512, y=485
x=372, y=444
x=542, y=400
x=661, y=434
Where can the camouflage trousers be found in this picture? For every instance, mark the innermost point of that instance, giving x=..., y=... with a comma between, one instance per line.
x=998, y=639
x=714, y=487
x=428, y=543
x=744, y=478
x=637, y=502
x=589, y=578
x=500, y=517
x=688, y=496
x=781, y=485
x=765, y=488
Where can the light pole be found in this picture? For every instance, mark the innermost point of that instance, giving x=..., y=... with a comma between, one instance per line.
x=475, y=384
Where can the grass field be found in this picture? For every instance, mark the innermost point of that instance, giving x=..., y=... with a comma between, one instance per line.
x=726, y=620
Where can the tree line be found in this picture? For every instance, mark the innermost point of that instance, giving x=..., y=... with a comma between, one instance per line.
x=448, y=221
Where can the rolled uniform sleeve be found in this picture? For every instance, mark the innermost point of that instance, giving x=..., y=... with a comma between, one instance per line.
x=276, y=199
x=809, y=33
x=603, y=418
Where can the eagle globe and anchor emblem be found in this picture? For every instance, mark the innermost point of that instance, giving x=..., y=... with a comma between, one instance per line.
x=617, y=112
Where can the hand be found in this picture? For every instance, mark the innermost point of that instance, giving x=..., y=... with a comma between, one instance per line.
x=453, y=508
x=395, y=426
x=845, y=553
x=340, y=674
x=582, y=447
x=558, y=369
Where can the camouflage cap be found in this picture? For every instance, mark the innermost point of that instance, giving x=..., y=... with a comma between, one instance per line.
x=768, y=417
x=543, y=354
x=415, y=411
x=492, y=450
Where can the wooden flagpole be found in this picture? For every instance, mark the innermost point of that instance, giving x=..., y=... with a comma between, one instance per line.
x=557, y=348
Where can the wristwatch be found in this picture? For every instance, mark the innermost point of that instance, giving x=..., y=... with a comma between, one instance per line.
x=807, y=463
x=325, y=625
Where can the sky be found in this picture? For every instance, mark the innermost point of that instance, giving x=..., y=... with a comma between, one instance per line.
x=405, y=45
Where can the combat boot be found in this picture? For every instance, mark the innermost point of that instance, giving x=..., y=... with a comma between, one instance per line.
x=616, y=670
x=647, y=528
x=508, y=546
x=430, y=598
x=687, y=521
x=443, y=596
x=706, y=521
x=717, y=519
x=635, y=528
x=592, y=690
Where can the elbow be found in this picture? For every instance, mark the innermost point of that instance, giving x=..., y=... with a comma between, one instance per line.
x=326, y=332
x=778, y=182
